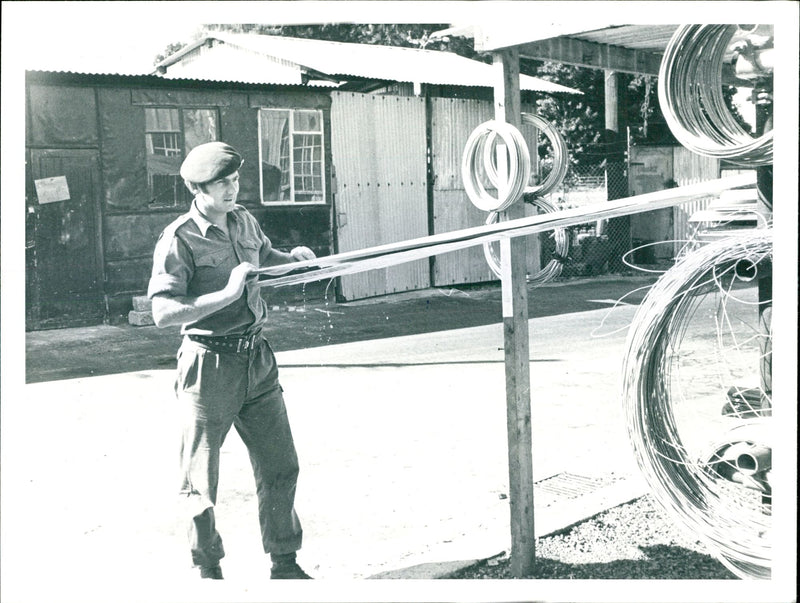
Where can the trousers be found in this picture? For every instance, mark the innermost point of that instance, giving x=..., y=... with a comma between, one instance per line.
x=217, y=391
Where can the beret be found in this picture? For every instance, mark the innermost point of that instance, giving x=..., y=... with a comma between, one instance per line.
x=210, y=161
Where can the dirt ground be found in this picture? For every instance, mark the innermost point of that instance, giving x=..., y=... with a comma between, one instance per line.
x=103, y=350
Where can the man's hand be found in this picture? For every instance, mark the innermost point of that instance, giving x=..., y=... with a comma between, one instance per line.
x=300, y=254
x=175, y=310
x=237, y=280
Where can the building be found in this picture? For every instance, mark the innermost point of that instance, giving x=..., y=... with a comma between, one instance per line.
x=326, y=163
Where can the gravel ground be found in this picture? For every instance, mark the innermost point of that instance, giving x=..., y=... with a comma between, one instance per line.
x=633, y=541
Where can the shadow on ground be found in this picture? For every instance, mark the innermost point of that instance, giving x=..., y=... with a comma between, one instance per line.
x=112, y=349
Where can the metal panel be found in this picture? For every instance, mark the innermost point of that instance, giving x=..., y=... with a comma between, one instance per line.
x=690, y=168
x=651, y=170
x=379, y=153
x=345, y=60
x=452, y=121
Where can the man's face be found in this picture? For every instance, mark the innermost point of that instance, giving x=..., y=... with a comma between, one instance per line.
x=219, y=196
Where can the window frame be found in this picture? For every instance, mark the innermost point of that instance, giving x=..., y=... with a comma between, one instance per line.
x=292, y=112
x=178, y=201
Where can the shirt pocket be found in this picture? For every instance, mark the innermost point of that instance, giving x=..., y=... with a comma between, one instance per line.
x=212, y=270
x=249, y=251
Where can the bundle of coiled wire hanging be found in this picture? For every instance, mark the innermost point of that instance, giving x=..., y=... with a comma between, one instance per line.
x=479, y=153
x=690, y=94
x=726, y=516
x=704, y=447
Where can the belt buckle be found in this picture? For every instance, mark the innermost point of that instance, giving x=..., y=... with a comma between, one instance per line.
x=246, y=343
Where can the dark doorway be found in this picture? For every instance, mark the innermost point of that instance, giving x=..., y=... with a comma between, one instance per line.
x=64, y=269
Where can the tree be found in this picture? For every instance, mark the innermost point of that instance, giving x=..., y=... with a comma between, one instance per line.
x=409, y=35
x=579, y=118
x=171, y=49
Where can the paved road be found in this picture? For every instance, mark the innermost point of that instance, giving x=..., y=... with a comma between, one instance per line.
x=402, y=441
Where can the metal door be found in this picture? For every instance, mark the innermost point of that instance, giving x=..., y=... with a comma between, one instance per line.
x=650, y=170
x=379, y=152
x=63, y=257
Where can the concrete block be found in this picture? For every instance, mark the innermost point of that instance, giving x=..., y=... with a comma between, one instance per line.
x=142, y=303
x=140, y=319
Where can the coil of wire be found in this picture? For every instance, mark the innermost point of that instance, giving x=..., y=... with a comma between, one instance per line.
x=479, y=157
x=552, y=269
x=560, y=162
x=680, y=482
x=559, y=159
x=691, y=99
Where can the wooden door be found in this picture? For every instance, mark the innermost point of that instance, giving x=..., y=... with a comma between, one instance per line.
x=64, y=277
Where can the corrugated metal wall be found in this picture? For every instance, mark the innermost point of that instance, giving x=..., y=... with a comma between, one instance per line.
x=452, y=121
x=689, y=168
x=651, y=169
x=379, y=153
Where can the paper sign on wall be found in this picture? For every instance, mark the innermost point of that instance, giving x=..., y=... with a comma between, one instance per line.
x=50, y=190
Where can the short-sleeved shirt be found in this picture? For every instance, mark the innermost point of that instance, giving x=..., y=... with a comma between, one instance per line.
x=194, y=257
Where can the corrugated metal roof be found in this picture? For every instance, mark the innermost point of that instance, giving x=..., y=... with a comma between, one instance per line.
x=347, y=60
x=85, y=65
x=651, y=38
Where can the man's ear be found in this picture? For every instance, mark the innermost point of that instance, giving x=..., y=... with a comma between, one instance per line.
x=193, y=187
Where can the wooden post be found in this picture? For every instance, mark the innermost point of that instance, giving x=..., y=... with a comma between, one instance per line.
x=618, y=229
x=611, y=98
x=515, y=332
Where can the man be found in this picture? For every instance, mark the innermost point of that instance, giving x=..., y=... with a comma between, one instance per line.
x=227, y=374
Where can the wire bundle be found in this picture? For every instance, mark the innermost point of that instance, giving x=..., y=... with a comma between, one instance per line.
x=479, y=153
x=690, y=94
x=713, y=508
x=392, y=254
x=553, y=268
x=560, y=156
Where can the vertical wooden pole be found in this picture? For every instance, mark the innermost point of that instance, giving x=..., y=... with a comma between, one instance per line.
x=764, y=184
x=513, y=264
x=617, y=229
x=611, y=97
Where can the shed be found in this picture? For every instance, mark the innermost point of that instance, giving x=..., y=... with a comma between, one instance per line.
x=325, y=166
x=265, y=59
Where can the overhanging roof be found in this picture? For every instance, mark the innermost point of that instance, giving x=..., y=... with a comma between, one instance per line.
x=617, y=47
x=347, y=61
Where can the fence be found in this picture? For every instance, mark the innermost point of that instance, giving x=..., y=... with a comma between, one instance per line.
x=597, y=247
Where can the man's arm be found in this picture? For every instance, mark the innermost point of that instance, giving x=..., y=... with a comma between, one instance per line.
x=169, y=310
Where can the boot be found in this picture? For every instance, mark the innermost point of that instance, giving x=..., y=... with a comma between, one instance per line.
x=284, y=567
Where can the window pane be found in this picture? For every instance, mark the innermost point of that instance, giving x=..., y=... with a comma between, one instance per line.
x=274, y=143
x=167, y=190
x=306, y=148
x=291, y=155
x=199, y=126
x=164, y=144
x=161, y=120
x=308, y=121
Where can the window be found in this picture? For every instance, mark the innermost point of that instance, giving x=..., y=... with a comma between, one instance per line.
x=292, y=158
x=169, y=134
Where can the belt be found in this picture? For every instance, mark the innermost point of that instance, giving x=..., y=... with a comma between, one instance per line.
x=227, y=343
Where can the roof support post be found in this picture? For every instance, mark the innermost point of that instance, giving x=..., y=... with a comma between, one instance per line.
x=615, y=139
x=611, y=99
x=513, y=260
